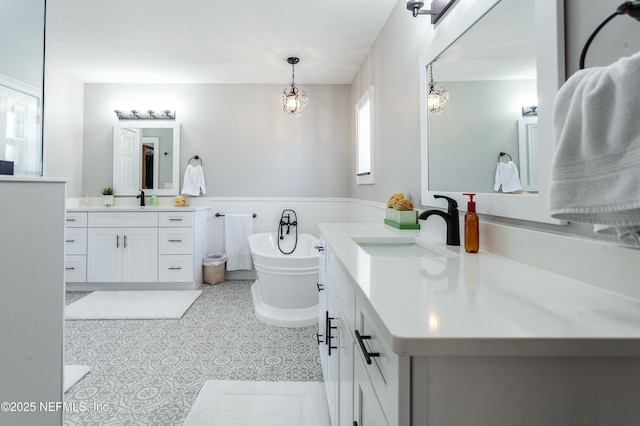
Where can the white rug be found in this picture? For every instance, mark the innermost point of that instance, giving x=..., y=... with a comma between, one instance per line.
x=260, y=404
x=152, y=304
x=73, y=374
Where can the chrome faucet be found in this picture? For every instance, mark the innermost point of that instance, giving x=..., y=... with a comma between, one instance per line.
x=450, y=217
x=141, y=196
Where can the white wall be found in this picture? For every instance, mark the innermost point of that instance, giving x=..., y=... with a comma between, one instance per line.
x=247, y=144
x=62, y=128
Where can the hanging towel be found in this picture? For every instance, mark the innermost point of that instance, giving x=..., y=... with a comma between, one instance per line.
x=595, y=173
x=237, y=228
x=507, y=177
x=193, y=183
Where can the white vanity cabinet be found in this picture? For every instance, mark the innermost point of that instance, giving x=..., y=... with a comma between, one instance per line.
x=136, y=249
x=366, y=383
x=122, y=247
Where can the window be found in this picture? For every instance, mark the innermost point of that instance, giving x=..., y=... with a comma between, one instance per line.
x=364, y=139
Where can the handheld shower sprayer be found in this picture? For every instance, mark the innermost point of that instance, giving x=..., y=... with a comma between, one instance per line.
x=288, y=219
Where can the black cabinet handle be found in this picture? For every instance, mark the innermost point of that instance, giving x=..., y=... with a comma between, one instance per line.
x=69, y=241
x=117, y=241
x=174, y=268
x=320, y=248
x=367, y=355
x=318, y=336
x=320, y=287
x=329, y=336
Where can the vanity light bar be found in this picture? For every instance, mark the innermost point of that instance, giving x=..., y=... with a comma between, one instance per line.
x=147, y=115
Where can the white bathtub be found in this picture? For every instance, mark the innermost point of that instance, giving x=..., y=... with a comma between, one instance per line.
x=285, y=293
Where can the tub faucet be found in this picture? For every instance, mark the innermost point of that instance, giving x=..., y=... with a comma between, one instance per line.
x=141, y=196
x=450, y=217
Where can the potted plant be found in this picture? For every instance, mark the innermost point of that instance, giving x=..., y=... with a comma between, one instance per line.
x=107, y=196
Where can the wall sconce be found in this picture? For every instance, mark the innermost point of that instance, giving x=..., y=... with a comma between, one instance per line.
x=293, y=100
x=438, y=95
x=147, y=115
x=530, y=111
x=438, y=8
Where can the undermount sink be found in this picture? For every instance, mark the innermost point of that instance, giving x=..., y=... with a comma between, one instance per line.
x=387, y=247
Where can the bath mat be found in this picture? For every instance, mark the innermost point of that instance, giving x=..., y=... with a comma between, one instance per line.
x=151, y=304
x=73, y=374
x=260, y=404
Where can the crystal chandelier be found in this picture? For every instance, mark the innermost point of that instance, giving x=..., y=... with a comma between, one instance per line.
x=293, y=100
x=438, y=95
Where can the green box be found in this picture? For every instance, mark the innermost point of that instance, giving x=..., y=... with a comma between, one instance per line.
x=402, y=225
x=408, y=217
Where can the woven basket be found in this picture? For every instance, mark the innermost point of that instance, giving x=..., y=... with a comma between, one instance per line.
x=214, y=274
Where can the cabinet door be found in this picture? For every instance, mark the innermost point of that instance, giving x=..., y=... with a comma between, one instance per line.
x=332, y=345
x=139, y=254
x=345, y=384
x=367, y=409
x=104, y=255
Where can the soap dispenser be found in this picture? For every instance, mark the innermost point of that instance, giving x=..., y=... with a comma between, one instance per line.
x=471, y=227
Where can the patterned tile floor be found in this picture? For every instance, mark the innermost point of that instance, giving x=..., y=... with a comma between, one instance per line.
x=149, y=372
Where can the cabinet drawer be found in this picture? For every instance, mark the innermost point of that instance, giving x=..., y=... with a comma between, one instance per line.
x=76, y=220
x=175, y=241
x=123, y=219
x=175, y=268
x=75, y=241
x=75, y=269
x=386, y=369
x=172, y=219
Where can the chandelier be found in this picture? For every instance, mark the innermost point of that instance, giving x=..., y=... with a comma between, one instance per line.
x=438, y=95
x=293, y=100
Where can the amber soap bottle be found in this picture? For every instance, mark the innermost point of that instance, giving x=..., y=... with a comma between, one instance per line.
x=471, y=227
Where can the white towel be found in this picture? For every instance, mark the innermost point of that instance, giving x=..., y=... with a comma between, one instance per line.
x=595, y=174
x=507, y=177
x=237, y=228
x=193, y=183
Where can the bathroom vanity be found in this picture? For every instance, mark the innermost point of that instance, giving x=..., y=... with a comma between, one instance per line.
x=414, y=332
x=135, y=248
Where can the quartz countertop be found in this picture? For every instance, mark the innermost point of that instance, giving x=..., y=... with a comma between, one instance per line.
x=457, y=303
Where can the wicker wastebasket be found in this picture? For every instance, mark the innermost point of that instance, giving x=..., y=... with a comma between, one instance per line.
x=214, y=265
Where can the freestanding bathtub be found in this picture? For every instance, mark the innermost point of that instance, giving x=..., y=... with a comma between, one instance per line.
x=285, y=293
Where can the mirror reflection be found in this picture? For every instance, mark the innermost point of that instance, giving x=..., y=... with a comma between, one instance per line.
x=21, y=75
x=146, y=156
x=490, y=75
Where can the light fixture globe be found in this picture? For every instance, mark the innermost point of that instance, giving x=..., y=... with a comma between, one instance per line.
x=437, y=97
x=293, y=100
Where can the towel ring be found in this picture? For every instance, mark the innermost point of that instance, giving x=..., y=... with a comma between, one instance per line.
x=195, y=157
x=631, y=8
x=502, y=154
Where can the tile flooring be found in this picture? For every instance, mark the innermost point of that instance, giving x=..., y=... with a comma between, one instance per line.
x=149, y=372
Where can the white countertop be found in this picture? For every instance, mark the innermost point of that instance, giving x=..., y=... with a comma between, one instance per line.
x=138, y=208
x=458, y=303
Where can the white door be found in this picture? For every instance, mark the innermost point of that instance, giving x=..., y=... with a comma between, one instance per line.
x=104, y=254
x=139, y=254
x=127, y=162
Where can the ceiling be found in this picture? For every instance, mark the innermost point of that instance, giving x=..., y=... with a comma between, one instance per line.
x=212, y=41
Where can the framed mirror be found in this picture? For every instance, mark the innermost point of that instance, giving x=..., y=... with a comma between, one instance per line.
x=502, y=59
x=146, y=155
x=21, y=87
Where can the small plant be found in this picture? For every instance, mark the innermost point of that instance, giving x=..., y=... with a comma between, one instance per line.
x=107, y=191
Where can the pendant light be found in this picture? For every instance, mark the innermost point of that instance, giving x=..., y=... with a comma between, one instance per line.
x=293, y=100
x=438, y=95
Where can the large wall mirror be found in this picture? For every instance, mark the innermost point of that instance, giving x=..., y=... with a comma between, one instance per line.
x=21, y=86
x=502, y=66
x=146, y=155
